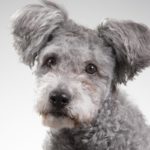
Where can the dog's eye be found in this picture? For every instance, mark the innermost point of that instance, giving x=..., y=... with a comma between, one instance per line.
x=91, y=69
x=50, y=38
x=50, y=61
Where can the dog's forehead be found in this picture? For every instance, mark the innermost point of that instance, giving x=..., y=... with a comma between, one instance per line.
x=74, y=42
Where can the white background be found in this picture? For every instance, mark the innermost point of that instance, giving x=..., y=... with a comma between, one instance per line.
x=20, y=127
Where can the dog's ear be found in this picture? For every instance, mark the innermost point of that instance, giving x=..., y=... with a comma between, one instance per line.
x=130, y=43
x=32, y=26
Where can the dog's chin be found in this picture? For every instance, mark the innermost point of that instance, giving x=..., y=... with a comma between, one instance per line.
x=57, y=121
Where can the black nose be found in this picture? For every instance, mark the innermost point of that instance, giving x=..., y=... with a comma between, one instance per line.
x=59, y=99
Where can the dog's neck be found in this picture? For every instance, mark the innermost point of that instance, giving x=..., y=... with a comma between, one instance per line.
x=85, y=136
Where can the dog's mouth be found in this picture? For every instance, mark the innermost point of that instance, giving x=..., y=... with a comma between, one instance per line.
x=54, y=113
x=58, y=120
x=58, y=114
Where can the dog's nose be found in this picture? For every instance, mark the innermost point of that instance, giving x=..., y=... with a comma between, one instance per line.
x=59, y=99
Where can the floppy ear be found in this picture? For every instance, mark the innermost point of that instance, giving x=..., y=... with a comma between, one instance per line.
x=130, y=42
x=32, y=26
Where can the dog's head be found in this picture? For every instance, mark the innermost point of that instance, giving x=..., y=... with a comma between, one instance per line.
x=77, y=68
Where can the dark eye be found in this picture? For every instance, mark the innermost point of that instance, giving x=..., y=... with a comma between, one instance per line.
x=91, y=69
x=50, y=38
x=50, y=61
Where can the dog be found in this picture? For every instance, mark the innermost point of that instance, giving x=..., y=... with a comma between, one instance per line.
x=77, y=73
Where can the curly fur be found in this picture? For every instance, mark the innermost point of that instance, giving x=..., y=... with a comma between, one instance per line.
x=99, y=116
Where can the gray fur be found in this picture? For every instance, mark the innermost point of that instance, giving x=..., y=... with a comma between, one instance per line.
x=131, y=45
x=98, y=116
x=31, y=28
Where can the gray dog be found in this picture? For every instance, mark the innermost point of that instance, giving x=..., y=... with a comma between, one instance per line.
x=77, y=72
